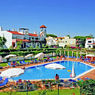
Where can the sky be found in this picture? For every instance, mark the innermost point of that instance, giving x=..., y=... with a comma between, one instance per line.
x=62, y=17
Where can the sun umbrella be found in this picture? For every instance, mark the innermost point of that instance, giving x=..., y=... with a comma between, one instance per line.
x=29, y=55
x=54, y=66
x=1, y=59
x=10, y=55
x=73, y=71
x=39, y=55
x=91, y=55
x=13, y=72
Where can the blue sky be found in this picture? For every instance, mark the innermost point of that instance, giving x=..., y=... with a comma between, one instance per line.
x=62, y=17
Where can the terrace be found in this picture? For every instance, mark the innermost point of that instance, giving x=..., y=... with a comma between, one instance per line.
x=55, y=58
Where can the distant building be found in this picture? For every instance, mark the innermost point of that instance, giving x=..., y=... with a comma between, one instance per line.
x=50, y=41
x=90, y=43
x=65, y=41
x=23, y=35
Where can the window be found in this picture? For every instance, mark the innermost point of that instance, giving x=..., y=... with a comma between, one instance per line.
x=89, y=41
x=36, y=38
x=29, y=38
x=89, y=46
x=93, y=46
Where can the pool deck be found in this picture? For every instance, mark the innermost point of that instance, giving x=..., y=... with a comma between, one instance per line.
x=90, y=74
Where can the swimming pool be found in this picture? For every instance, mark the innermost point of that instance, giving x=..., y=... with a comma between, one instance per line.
x=40, y=72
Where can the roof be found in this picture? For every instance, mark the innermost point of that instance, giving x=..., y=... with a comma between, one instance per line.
x=30, y=34
x=15, y=32
x=60, y=37
x=24, y=40
x=43, y=26
x=88, y=38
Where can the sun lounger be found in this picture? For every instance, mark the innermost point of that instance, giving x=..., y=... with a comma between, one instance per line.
x=25, y=62
x=9, y=64
x=22, y=62
x=1, y=67
x=67, y=84
x=50, y=59
x=35, y=61
x=45, y=60
x=0, y=78
x=5, y=82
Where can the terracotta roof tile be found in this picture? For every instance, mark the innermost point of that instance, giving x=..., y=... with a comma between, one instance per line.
x=24, y=40
x=30, y=34
x=15, y=32
x=43, y=26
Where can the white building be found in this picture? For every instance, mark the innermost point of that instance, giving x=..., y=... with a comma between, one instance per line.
x=66, y=41
x=90, y=43
x=23, y=35
x=61, y=41
x=51, y=41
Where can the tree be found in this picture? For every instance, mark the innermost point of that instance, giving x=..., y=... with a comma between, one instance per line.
x=87, y=87
x=51, y=35
x=81, y=40
x=69, y=36
x=19, y=45
x=2, y=41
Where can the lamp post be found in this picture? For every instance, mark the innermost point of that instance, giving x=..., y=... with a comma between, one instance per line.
x=27, y=89
x=58, y=88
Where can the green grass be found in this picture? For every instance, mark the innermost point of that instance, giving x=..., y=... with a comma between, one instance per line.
x=3, y=64
x=48, y=92
x=27, y=60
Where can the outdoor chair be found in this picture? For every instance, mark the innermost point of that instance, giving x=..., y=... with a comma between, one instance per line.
x=93, y=62
x=1, y=78
x=50, y=59
x=22, y=63
x=20, y=87
x=47, y=85
x=61, y=83
x=1, y=67
x=4, y=82
x=9, y=64
x=32, y=62
x=70, y=56
x=67, y=84
x=35, y=61
x=15, y=64
x=25, y=62
x=45, y=60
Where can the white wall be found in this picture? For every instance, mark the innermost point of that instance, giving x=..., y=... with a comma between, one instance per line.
x=68, y=42
x=8, y=37
x=89, y=45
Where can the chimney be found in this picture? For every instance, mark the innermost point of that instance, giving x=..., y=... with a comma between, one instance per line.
x=14, y=29
x=35, y=32
x=1, y=28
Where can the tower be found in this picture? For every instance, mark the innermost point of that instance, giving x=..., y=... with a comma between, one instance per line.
x=43, y=31
x=43, y=35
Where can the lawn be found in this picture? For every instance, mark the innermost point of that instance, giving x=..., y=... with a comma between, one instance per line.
x=48, y=92
x=3, y=64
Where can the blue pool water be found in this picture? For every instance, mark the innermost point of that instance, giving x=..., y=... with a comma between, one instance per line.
x=40, y=72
